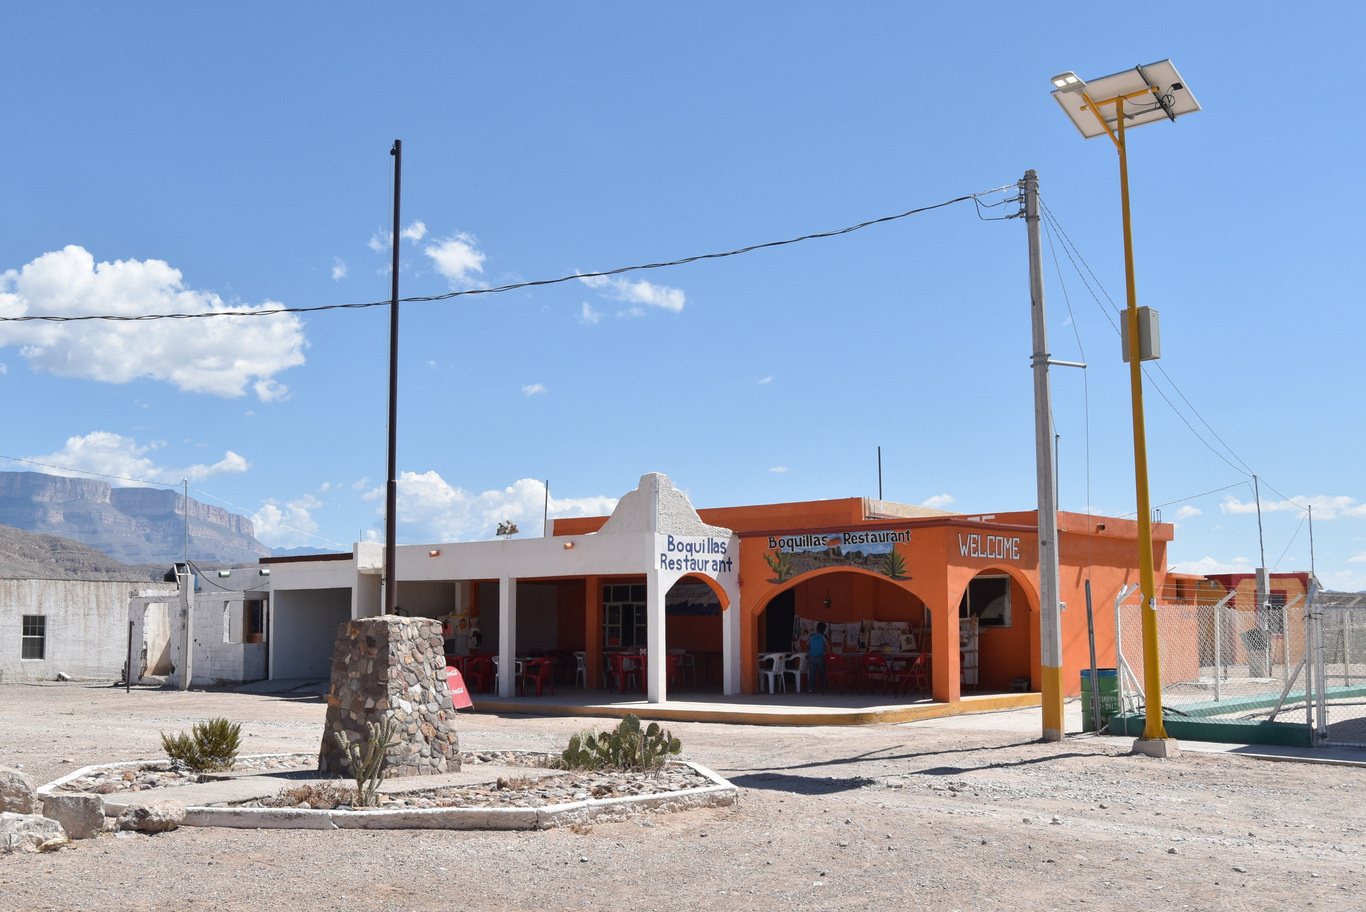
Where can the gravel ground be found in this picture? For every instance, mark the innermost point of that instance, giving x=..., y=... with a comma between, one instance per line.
x=937, y=816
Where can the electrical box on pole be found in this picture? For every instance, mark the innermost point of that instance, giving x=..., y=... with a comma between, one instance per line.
x=1149, y=344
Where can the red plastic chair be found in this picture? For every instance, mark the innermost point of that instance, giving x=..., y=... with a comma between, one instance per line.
x=875, y=671
x=478, y=673
x=836, y=672
x=541, y=671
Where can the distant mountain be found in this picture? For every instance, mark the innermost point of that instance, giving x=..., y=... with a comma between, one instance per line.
x=131, y=525
x=27, y=556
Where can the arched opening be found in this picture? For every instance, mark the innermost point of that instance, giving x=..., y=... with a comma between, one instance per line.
x=994, y=618
x=863, y=612
x=693, y=609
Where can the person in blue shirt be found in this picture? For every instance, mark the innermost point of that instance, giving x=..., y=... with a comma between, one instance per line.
x=816, y=647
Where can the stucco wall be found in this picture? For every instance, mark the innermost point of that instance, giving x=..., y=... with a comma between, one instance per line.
x=86, y=626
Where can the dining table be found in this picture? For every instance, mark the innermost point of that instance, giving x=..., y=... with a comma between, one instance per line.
x=616, y=663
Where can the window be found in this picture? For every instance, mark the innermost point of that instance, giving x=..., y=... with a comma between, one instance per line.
x=1273, y=615
x=34, y=637
x=623, y=615
x=988, y=600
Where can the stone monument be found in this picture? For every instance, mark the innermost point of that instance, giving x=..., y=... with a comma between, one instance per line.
x=391, y=667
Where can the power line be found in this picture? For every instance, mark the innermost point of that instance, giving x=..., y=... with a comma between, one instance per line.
x=1070, y=248
x=263, y=312
x=46, y=465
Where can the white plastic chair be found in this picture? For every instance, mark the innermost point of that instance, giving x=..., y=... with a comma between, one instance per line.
x=795, y=665
x=775, y=673
x=580, y=670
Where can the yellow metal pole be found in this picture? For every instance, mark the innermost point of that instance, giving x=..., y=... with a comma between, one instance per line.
x=1153, y=728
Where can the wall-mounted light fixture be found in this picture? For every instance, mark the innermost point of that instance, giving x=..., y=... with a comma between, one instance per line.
x=507, y=529
x=264, y=571
x=1100, y=527
x=436, y=552
x=827, y=600
x=224, y=574
x=569, y=546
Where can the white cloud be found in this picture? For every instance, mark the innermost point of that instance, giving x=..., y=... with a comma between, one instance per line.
x=380, y=240
x=1207, y=565
x=1325, y=506
x=432, y=510
x=939, y=502
x=220, y=356
x=778, y=469
x=338, y=269
x=531, y=389
x=106, y=453
x=455, y=258
x=292, y=526
x=654, y=295
x=588, y=314
x=1187, y=512
x=638, y=293
x=768, y=379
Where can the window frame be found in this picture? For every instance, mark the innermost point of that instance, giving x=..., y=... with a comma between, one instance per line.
x=33, y=637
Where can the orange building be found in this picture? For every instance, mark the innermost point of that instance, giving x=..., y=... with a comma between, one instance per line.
x=964, y=587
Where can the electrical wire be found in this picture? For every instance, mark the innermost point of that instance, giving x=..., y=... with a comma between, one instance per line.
x=46, y=465
x=262, y=312
x=1070, y=248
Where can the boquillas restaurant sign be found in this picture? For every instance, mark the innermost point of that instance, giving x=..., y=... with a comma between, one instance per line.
x=793, y=555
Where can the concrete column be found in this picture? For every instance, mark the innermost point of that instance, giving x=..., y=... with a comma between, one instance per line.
x=731, y=650
x=945, y=658
x=507, y=637
x=656, y=666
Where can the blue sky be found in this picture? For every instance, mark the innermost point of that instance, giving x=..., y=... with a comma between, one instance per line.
x=164, y=157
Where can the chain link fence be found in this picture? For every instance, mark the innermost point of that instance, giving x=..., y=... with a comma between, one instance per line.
x=1337, y=630
x=1228, y=661
x=1275, y=663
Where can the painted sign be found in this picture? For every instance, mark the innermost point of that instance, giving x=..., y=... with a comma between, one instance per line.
x=991, y=547
x=695, y=554
x=794, y=555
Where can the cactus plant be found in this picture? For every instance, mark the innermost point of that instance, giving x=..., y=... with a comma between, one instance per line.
x=368, y=768
x=625, y=748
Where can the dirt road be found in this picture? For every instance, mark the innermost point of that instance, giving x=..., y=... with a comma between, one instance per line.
x=934, y=816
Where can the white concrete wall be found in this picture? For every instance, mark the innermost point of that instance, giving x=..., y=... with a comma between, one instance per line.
x=86, y=627
x=220, y=656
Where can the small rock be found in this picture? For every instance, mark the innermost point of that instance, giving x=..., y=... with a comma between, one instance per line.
x=153, y=817
x=1239, y=869
x=1172, y=850
x=18, y=794
x=81, y=816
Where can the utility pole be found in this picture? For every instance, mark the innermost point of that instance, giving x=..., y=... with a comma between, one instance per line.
x=391, y=489
x=1050, y=610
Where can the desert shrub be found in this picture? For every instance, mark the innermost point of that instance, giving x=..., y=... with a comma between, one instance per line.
x=626, y=747
x=211, y=745
x=317, y=794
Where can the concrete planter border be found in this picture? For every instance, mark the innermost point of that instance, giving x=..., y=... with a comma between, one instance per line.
x=717, y=793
